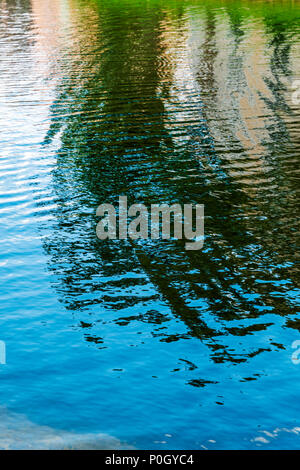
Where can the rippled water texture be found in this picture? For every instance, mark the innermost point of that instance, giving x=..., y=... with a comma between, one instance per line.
x=162, y=101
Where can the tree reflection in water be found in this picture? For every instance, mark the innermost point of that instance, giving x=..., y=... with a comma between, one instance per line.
x=140, y=114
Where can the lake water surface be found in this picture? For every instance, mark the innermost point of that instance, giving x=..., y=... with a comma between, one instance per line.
x=144, y=344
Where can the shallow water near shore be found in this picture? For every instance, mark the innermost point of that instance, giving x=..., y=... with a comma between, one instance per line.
x=164, y=102
x=18, y=433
